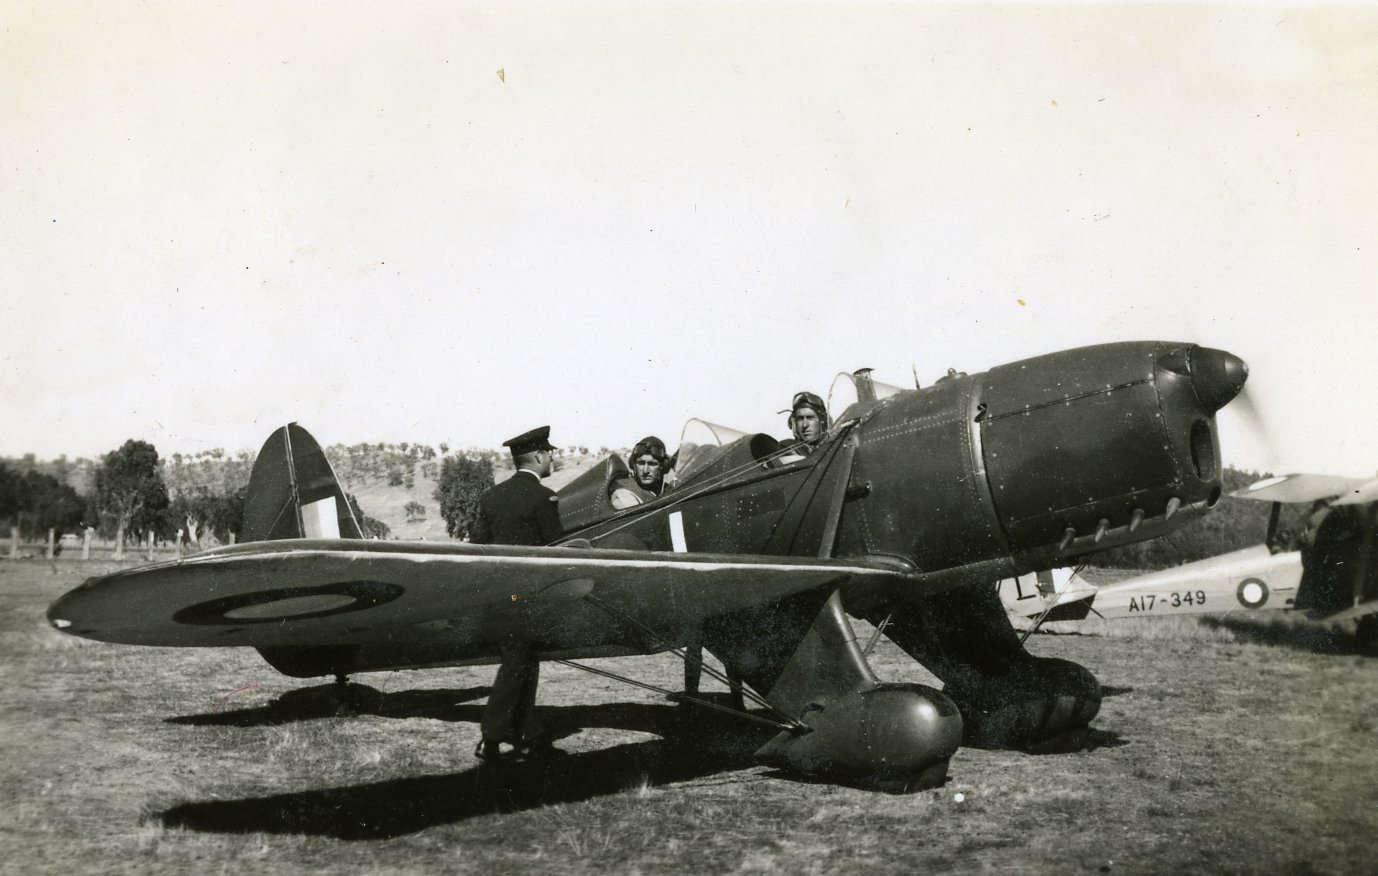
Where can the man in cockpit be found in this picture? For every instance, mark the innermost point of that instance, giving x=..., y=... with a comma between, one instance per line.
x=649, y=463
x=808, y=421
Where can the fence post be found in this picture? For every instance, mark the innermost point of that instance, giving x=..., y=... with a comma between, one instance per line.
x=119, y=545
x=179, y=544
x=231, y=538
x=148, y=546
x=48, y=554
x=86, y=544
x=14, y=542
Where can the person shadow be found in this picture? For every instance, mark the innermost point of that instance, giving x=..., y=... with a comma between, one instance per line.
x=688, y=745
x=1293, y=633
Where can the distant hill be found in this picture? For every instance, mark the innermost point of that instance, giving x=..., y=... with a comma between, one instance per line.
x=388, y=502
x=386, y=478
x=79, y=474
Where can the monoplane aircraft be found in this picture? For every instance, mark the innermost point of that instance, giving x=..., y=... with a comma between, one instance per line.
x=908, y=511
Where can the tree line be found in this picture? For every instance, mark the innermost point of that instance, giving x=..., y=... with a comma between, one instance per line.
x=131, y=493
x=1232, y=525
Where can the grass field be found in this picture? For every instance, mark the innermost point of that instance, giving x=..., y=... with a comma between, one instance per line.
x=1222, y=747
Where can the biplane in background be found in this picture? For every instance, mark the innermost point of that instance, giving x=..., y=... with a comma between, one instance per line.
x=1338, y=552
x=1245, y=580
x=1330, y=571
x=905, y=514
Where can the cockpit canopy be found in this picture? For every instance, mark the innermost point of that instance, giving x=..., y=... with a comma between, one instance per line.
x=848, y=389
x=707, y=448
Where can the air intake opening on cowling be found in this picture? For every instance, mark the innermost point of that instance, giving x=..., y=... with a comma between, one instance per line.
x=1203, y=451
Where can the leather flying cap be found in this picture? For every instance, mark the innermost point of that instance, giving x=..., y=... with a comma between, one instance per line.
x=530, y=442
x=808, y=400
x=652, y=445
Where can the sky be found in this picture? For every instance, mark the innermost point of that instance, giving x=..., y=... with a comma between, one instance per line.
x=451, y=222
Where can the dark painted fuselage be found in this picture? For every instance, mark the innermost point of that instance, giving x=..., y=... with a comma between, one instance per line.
x=978, y=476
x=973, y=479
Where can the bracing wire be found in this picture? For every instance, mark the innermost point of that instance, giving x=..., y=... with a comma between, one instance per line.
x=1038, y=621
x=655, y=642
x=682, y=697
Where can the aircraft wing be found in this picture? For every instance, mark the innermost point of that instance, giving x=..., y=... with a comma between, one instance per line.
x=1361, y=610
x=333, y=592
x=1361, y=494
x=1304, y=488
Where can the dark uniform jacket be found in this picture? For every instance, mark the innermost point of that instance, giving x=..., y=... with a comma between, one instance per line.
x=520, y=510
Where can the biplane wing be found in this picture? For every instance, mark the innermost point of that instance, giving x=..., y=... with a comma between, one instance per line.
x=1363, y=612
x=1339, y=550
x=1298, y=488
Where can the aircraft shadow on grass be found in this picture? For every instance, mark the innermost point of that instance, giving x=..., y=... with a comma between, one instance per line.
x=1281, y=633
x=457, y=705
x=324, y=701
x=689, y=749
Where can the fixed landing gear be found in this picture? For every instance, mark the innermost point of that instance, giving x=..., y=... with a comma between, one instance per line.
x=693, y=672
x=1008, y=698
x=1366, y=635
x=352, y=699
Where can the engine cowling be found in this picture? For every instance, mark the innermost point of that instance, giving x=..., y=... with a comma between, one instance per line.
x=1042, y=460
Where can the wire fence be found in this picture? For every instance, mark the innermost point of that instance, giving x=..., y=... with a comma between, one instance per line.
x=88, y=547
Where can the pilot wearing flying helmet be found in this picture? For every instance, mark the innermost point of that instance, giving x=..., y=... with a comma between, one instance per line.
x=649, y=463
x=808, y=422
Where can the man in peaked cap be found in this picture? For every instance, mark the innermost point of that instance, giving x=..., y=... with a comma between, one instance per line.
x=520, y=510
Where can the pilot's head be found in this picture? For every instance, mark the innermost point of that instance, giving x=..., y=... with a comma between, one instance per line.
x=649, y=463
x=808, y=418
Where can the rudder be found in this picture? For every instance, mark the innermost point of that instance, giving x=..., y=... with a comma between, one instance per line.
x=293, y=492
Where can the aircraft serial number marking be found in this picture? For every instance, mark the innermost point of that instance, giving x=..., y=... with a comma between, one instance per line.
x=1164, y=601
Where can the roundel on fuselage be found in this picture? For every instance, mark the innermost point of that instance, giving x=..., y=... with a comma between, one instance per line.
x=1252, y=593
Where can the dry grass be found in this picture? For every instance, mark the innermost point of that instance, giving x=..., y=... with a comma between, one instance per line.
x=1219, y=748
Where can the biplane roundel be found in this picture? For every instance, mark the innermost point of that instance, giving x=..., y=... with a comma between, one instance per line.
x=1252, y=593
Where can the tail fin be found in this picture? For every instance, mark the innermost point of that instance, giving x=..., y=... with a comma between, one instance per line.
x=293, y=492
x=1027, y=598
